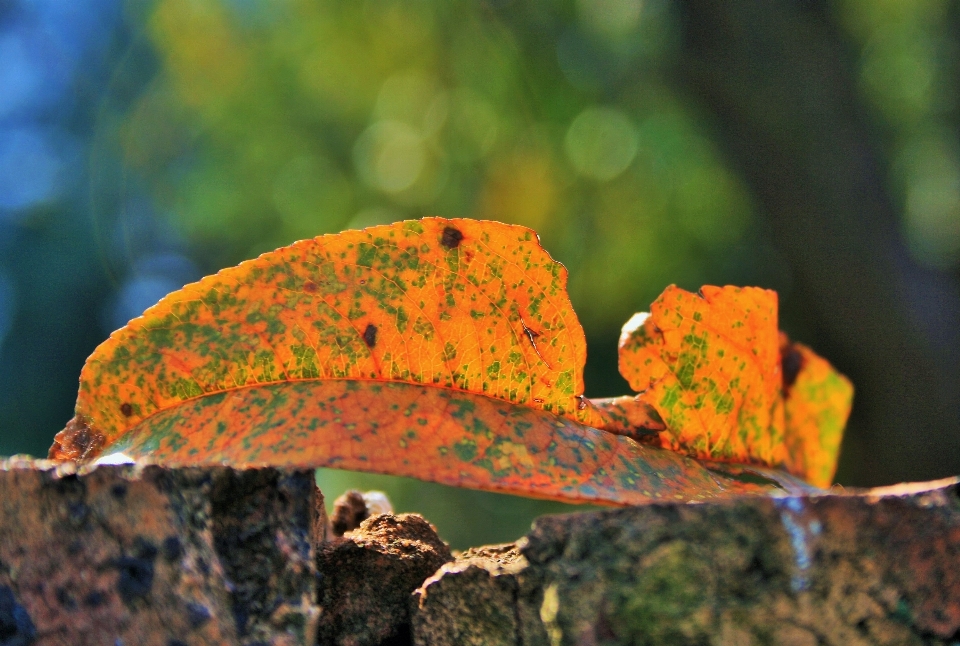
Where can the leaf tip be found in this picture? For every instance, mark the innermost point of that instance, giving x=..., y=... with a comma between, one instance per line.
x=77, y=442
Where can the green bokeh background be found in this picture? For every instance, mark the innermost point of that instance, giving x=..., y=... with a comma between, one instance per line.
x=648, y=142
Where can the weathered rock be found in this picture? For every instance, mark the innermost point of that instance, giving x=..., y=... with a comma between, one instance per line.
x=877, y=567
x=154, y=556
x=472, y=601
x=366, y=578
x=144, y=556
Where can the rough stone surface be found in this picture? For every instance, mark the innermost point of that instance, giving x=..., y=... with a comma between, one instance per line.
x=366, y=579
x=125, y=555
x=877, y=567
x=472, y=601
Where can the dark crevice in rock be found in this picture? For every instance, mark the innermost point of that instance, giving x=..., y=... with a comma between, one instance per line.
x=136, y=571
x=241, y=543
x=246, y=509
x=402, y=637
x=16, y=627
x=517, y=617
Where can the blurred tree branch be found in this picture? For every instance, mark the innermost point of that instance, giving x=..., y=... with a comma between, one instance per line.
x=781, y=83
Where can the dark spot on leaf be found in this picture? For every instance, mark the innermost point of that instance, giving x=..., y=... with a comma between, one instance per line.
x=370, y=335
x=144, y=548
x=451, y=237
x=241, y=617
x=791, y=362
x=16, y=627
x=119, y=491
x=310, y=287
x=126, y=409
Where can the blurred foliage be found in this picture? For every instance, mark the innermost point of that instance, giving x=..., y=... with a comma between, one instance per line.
x=271, y=122
x=145, y=144
x=909, y=76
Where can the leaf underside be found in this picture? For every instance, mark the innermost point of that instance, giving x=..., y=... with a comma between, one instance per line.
x=425, y=432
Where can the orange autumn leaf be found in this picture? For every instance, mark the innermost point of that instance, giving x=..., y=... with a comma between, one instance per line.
x=437, y=434
x=817, y=401
x=440, y=349
x=710, y=365
x=453, y=303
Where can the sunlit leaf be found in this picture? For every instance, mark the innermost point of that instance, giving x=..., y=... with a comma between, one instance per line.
x=711, y=365
x=440, y=349
x=460, y=304
x=437, y=434
x=817, y=401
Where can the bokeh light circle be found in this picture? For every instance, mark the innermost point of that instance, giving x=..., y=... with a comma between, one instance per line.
x=601, y=143
x=389, y=156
